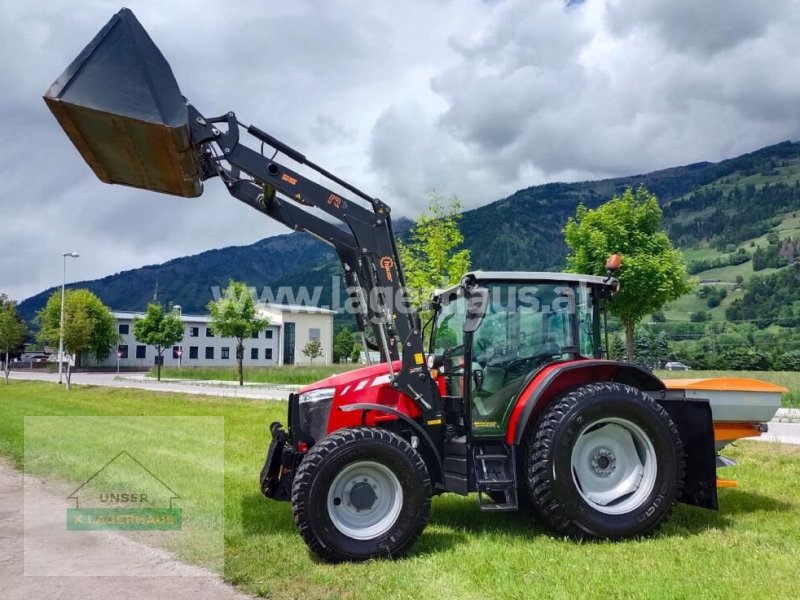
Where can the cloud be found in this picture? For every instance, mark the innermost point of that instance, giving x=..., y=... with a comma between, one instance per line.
x=471, y=98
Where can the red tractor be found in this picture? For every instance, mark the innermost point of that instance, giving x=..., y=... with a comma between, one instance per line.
x=510, y=399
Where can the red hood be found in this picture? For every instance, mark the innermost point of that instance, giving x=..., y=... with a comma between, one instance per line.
x=353, y=376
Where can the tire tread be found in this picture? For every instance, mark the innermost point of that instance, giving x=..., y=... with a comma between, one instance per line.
x=543, y=435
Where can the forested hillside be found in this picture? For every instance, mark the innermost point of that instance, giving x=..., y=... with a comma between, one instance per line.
x=714, y=211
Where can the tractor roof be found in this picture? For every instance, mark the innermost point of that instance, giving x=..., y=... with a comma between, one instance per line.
x=533, y=277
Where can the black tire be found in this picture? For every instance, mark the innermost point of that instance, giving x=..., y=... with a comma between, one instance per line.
x=318, y=473
x=553, y=483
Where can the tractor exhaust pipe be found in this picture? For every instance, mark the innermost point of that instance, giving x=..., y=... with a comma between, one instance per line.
x=119, y=103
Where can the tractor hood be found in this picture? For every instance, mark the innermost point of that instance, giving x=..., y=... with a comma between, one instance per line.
x=372, y=375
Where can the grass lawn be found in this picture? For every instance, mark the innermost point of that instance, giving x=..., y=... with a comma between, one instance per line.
x=748, y=549
x=788, y=379
x=280, y=375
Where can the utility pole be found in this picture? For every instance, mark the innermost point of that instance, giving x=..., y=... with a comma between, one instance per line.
x=61, y=329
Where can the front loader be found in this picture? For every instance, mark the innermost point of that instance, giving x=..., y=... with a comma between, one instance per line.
x=511, y=399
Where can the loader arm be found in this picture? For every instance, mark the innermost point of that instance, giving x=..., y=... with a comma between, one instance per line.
x=366, y=247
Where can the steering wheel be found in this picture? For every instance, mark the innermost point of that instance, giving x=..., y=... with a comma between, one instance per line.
x=521, y=366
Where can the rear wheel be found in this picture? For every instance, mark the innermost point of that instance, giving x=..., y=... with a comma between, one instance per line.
x=361, y=493
x=605, y=461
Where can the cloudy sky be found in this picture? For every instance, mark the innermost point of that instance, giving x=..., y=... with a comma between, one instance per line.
x=468, y=97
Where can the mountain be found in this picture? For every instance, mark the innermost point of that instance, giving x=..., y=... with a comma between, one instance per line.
x=709, y=208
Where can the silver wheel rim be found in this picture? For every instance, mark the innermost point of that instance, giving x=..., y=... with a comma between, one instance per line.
x=364, y=500
x=614, y=465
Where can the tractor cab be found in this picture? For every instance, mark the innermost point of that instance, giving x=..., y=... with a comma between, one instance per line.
x=493, y=332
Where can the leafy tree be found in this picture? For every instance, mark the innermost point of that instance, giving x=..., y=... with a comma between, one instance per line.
x=343, y=345
x=89, y=326
x=313, y=349
x=355, y=355
x=235, y=315
x=699, y=316
x=159, y=329
x=431, y=258
x=12, y=330
x=789, y=361
x=653, y=273
x=747, y=359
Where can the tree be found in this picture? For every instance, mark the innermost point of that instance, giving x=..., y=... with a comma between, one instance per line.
x=431, y=258
x=12, y=330
x=616, y=348
x=343, y=345
x=89, y=326
x=653, y=273
x=313, y=349
x=355, y=355
x=235, y=315
x=159, y=329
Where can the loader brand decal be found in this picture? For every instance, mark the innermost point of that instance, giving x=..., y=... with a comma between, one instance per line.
x=123, y=496
x=387, y=262
x=289, y=179
x=335, y=200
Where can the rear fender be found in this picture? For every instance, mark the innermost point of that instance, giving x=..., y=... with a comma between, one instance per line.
x=692, y=418
x=555, y=379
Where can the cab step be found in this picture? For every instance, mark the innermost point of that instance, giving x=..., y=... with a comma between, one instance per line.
x=495, y=476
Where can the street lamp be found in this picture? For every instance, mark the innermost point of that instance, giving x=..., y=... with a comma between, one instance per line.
x=61, y=329
x=178, y=309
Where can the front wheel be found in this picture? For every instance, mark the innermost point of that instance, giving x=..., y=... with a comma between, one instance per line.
x=605, y=461
x=361, y=493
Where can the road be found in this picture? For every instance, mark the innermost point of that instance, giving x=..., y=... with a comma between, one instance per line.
x=49, y=562
x=139, y=381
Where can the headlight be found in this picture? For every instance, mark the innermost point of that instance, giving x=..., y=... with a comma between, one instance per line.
x=314, y=407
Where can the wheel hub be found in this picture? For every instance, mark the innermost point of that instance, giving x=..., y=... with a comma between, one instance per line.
x=364, y=500
x=603, y=461
x=362, y=495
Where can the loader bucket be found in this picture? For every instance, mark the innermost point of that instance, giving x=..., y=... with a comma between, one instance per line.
x=120, y=105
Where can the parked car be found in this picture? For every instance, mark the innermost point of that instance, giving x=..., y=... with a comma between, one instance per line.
x=677, y=366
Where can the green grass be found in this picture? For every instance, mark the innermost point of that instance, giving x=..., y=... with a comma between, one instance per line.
x=748, y=549
x=279, y=375
x=788, y=379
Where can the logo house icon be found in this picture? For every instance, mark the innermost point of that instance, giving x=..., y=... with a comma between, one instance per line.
x=124, y=495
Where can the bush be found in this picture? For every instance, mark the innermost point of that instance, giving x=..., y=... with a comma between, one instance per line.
x=744, y=359
x=788, y=361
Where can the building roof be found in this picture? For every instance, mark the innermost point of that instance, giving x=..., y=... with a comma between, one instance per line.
x=273, y=308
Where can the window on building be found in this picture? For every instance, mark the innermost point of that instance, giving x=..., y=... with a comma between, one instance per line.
x=254, y=353
x=175, y=350
x=268, y=353
x=288, y=343
x=141, y=351
x=225, y=353
x=124, y=329
x=209, y=332
x=210, y=352
x=122, y=350
x=269, y=334
x=255, y=335
x=192, y=351
x=194, y=332
x=313, y=333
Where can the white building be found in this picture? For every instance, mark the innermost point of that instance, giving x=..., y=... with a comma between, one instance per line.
x=281, y=343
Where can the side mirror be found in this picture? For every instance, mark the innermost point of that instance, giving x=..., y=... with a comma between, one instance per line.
x=477, y=304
